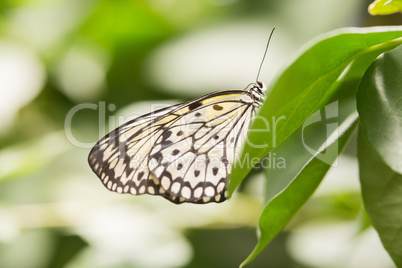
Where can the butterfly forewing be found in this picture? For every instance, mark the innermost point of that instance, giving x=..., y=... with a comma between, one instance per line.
x=120, y=158
x=183, y=152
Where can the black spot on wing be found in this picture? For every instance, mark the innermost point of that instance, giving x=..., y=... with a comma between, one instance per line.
x=166, y=134
x=194, y=105
x=225, y=160
x=158, y=156
x=217, y=107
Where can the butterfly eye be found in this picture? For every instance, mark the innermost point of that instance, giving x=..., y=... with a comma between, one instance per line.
x=260, y=84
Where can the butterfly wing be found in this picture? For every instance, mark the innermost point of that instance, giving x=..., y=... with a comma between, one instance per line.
x=183, y=152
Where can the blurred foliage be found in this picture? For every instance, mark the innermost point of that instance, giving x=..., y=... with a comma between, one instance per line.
x=67, y=247
x=58, y=55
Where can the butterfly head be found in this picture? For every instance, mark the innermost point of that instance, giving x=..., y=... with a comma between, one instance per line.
x=261, y=86
x=258, y=90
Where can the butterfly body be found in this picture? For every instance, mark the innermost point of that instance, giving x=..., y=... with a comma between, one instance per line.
x=183, y=152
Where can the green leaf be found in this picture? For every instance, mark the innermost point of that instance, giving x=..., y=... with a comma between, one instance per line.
x=283, y=206
x=344, y=92
x=382, y=197
x=385, y=7
x=341, y=103
x=379, y=102
x=301, y=88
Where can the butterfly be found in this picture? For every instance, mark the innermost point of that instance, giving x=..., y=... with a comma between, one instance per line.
x=184, y=152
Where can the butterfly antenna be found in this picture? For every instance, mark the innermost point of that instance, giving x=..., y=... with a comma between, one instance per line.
x=265, y=53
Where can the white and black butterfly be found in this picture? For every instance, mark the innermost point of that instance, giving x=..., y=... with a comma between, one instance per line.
x=183, y=152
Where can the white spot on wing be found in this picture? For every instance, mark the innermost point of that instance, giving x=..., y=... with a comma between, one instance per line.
x=209, y=191
x=186, y=192
x=198, y=192
x=220, y=187
x=141, y=190
x=176, y=187
x=165, y=182
x=151, y=190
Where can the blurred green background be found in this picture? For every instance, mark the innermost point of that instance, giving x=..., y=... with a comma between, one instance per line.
x=70, y=71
